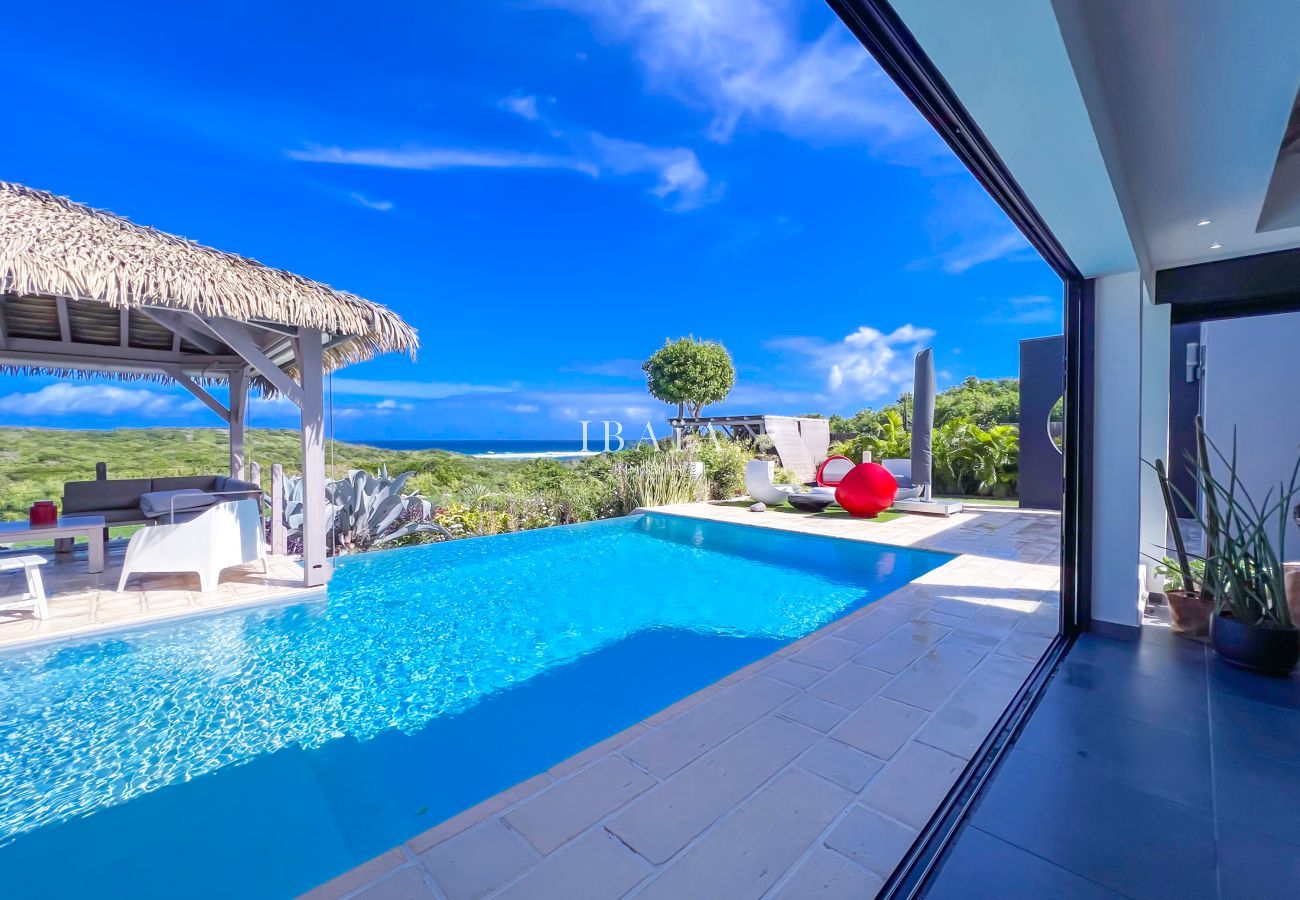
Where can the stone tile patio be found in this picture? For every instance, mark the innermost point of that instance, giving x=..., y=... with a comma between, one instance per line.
x=82, y=603
x=806, y=774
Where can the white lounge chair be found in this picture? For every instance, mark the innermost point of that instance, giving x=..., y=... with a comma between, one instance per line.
x=758, y=483
x=34, y=596
x=901, y=469
x=227, y=534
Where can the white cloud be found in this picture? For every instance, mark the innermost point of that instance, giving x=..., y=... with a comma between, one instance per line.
x=434, y=158
x=744, y=62
x=64, y=399
x=368, y=203
x=680, y=181
x=979, y=249
x=413, y=390
x=1038, y=309
x=866, y=365
x=523, y=106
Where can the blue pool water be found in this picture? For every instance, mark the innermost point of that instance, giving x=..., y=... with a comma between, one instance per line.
x=259, y=753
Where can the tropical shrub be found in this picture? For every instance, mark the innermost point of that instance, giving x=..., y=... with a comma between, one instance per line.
x=969, y=459
x=724, y=466
x=885, y=438
x=655, y=481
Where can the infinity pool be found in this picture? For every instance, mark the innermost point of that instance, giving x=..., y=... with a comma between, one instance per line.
x=259, y=753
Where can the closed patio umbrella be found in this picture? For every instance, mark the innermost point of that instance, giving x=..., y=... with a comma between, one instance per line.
x=923, y=421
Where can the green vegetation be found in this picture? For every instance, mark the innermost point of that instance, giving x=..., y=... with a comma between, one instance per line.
x=690, y=373
x=976, y=443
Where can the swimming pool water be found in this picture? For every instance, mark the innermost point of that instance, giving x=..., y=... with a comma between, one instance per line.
x=259, y=753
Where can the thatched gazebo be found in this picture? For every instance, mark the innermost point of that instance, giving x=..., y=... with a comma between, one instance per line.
x=83, y=291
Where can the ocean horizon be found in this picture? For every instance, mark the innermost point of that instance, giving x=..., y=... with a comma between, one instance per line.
x=496, y=449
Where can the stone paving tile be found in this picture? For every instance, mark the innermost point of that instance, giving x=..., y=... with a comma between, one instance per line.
x=880, y=727
x=963, y=721
x=674, y=744
x=808, y=710
x=480, y=812
x=896, y=651
x=594, y=867
x=826, y=875
x=850, y=685
x=479, y=861
x=840, y=763
x=934, y=675
x=566, y=809
x=872, y=840
x=350, y=881
x=665, y=820
x=827, y=653
x=404, y=884
x=912, y=786
x=881, y=621
x=744, y=855
x=796, y=673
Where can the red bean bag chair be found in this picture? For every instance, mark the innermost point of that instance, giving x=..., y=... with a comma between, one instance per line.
x=867, y=490
x=833, y=469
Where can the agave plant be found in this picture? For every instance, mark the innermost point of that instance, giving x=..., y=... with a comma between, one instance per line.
x=363, y=511
x=1244, y=541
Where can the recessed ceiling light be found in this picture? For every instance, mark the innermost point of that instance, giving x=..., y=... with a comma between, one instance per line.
x=1216, y=246
x=1204, y=222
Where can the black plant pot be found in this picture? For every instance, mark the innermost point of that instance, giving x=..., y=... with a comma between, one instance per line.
x=1273, y=650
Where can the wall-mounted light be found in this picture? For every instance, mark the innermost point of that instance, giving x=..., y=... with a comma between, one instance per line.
x=1203, y=222
x=1216, y=246
x=1193, y=359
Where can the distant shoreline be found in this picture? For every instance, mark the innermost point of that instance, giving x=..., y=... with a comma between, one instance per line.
x=489, y=449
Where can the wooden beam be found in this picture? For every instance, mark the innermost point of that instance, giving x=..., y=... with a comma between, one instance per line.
x=33, y=351
x=279, y=539
x=179, y=324
x=238, y=403
x=237, y=336
x=65, y=328
x=4, y=327
x=197, y=390
x=124, y=328
x=315, y=564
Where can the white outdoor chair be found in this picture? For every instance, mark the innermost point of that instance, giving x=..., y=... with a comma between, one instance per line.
x=227, y=534
x=758, y=483
x=34, y=597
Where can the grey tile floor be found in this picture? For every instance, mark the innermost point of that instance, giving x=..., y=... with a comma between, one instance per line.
x=1150, y=769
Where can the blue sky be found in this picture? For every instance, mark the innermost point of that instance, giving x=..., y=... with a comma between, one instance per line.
x=545, y=190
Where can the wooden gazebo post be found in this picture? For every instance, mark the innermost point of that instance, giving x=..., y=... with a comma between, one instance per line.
x=238, y=403
x=311, y=375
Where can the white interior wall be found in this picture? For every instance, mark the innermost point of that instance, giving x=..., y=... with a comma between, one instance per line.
x=1154, y=434
x=1252, y=384
x=1117, y=450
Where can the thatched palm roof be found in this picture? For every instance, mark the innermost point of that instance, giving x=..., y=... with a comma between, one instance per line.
x=62, y=264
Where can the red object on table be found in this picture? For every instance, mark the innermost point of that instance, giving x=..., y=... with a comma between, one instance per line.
x=43, y=513
x=867, y=491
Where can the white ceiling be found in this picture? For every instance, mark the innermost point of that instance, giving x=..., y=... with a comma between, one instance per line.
x=1126, y=122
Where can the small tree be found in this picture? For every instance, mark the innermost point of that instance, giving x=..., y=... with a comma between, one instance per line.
x=690, y=373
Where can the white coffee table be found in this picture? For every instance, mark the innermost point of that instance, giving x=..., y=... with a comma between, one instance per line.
x=89, y=527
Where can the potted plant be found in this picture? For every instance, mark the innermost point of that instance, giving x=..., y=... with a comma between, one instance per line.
x=1252, y=625
x=1189, y=611
x=1189, y=608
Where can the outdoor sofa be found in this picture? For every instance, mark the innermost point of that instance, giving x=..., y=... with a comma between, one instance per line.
x=146, y=501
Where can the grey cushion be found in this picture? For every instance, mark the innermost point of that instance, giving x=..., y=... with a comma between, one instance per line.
x=184, y=482
x=111, y=494
x=161, y=504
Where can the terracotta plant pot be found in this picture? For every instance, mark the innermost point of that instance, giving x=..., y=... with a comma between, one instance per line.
x=1189, y=615
x=1272, y=650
